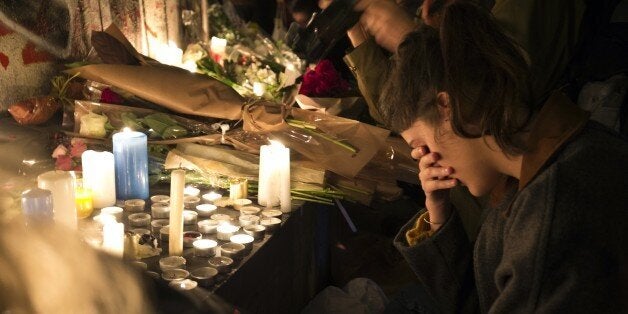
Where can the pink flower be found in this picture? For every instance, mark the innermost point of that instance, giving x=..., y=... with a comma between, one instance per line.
x=110, y=97
x=78, y=147
x=59, y=151
x=64, y=162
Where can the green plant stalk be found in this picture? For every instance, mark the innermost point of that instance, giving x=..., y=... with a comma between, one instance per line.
x=312, y=200
x=300, y=124
x=310, y=196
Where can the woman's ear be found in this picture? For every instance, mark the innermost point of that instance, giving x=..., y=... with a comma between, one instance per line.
x=444, y=106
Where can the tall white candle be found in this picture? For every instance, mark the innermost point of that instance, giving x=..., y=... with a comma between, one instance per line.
x=61, y=185
x=204, y=21
x=274, y=176
x=99, y=176
x=113, y=238
x=177, y=185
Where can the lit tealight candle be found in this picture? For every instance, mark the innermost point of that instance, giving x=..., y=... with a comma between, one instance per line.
x=256, y=231
x=160, y=210
x=113, y=211
x=184, y=284
x=271, y=213
x=171, y=262
x=207, y=226
x=205, y=210
x=249, y=210
x=99, y=176
x=271, y=223
x=245, y=240
x=232, y=250
x=174, y=274
x=84, y=203
x=190, y=202
x=191, y=191
x=212, y=196
x=221, y=218
x=139, y=220
x=247, y=220
x=224, y=232
x=205, y=247
x=239, y=203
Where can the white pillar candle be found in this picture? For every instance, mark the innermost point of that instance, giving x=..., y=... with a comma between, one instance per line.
x=218, y=47
x=113, y=238
x=61, y=184
x=99, y=176
x=177, y=185
x=204, y=21
x=274, y=176
x=114, y=211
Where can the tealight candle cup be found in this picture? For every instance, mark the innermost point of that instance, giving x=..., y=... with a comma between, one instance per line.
x=160, y=199
x=232, y=250
x=183, y=284
x=224, y=232
x=191, y=191
x=115, y=211
x=190, y=202
x=189, y=237
x=207, y=226
x=160, y=210
x=174, y=274
x=241, y=202
x=248, y=220
x=271, y=224
x=221, y=218
x=271, y=213
x=171, y=262
x=206, y=210
x=223, y=202
x=205, y=276
x=245, y=240
x=249, y=210
x=134, y=205
x=205, y=248
x=164, y=234
x=211, y=197
x=222, y=264
x=140, y=231
x=256, y=231
x=190, y=217
x=157, y=224
x=139, y=220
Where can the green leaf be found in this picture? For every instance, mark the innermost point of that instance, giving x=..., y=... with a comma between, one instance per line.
x=174, y=131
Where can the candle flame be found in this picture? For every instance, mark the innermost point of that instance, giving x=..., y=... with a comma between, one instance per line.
x=126, y=129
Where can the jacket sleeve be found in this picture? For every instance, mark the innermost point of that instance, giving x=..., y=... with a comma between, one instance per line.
x=368, y=63
x=443, y=263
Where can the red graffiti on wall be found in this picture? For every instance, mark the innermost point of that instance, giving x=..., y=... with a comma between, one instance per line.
x=4, y=30
x=30, y=54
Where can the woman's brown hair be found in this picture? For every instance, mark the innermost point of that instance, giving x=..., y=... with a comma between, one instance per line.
x=481, y=68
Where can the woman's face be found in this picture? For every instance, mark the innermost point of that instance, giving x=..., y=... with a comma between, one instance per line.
x=469, y=158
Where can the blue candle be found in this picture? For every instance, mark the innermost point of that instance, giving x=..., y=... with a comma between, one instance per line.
x=37, y=206
x=130, y=152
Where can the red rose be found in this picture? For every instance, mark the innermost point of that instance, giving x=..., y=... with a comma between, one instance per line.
x=110, y=97
x=323, y=81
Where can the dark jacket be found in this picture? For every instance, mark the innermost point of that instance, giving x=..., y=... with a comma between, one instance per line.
x=556, y=243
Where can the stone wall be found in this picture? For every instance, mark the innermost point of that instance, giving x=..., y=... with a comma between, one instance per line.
x=26, y=69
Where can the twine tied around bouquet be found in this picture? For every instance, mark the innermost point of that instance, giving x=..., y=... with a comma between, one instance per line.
x=264, y=116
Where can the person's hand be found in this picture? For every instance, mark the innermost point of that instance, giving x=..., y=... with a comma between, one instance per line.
x=357, y=35
x=385, y=21
x=436, y=183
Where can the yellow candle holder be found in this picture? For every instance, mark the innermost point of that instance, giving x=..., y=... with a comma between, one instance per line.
x=84, y=202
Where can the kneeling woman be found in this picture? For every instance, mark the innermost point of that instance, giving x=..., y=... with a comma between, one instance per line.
x=554, y=237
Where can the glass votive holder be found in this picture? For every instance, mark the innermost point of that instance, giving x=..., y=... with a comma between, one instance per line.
x=241, y=202
x=159, y=199
x=134, y=205
x=205, y=210
x=224, y=232
x=204, y=276
x=207, y=226
x=160, y=210
x=271, y=223
x=164, y=234
x=157, y=224
x=256, y=231
x=245, y=240
x=249, y=210
x=139, y=220
x=221, y=218
x=115, y=211
x=189, y=237
x=247, y=220
x=205, y=248
x=232, y=250
x=171, y=262
x=211, y=197
x=140, y=231
x=222, y=264
x=190, y=217
x=191, y=191
x=271, y=213
x=183, y=284
x=174, y=274
x=190, y=202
